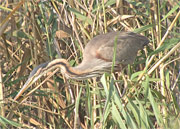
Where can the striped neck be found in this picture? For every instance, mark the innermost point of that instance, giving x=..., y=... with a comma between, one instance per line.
x=70, y=72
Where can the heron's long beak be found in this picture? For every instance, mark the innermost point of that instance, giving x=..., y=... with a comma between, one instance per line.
x=37, y=73
x=26, y=86
x=28, y=83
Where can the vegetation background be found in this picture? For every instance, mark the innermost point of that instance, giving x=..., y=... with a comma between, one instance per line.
x=36, y=31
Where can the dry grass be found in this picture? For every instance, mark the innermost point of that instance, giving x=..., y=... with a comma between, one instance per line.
x=33, y=32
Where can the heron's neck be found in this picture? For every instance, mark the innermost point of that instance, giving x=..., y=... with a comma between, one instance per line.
x=84, y=70
x=79, y=72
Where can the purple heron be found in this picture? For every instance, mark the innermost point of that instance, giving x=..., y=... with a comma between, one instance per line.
x=97, y=57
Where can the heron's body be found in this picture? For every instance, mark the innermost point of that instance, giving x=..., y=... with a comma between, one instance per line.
x=100, y=49
x=97, y=57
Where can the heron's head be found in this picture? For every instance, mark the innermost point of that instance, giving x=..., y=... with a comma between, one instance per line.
x=44, y=68
x=37, y=73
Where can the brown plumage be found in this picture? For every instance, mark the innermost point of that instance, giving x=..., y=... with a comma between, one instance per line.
x=97, y=57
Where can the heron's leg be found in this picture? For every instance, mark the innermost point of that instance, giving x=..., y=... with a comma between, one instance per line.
x=121, y=93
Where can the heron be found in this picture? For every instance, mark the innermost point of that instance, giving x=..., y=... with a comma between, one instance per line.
x=97, y=58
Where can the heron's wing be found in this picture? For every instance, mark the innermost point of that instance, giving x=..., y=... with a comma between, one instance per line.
x=127, y=44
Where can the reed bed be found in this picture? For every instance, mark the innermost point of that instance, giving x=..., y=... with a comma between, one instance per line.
x=36, y=31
